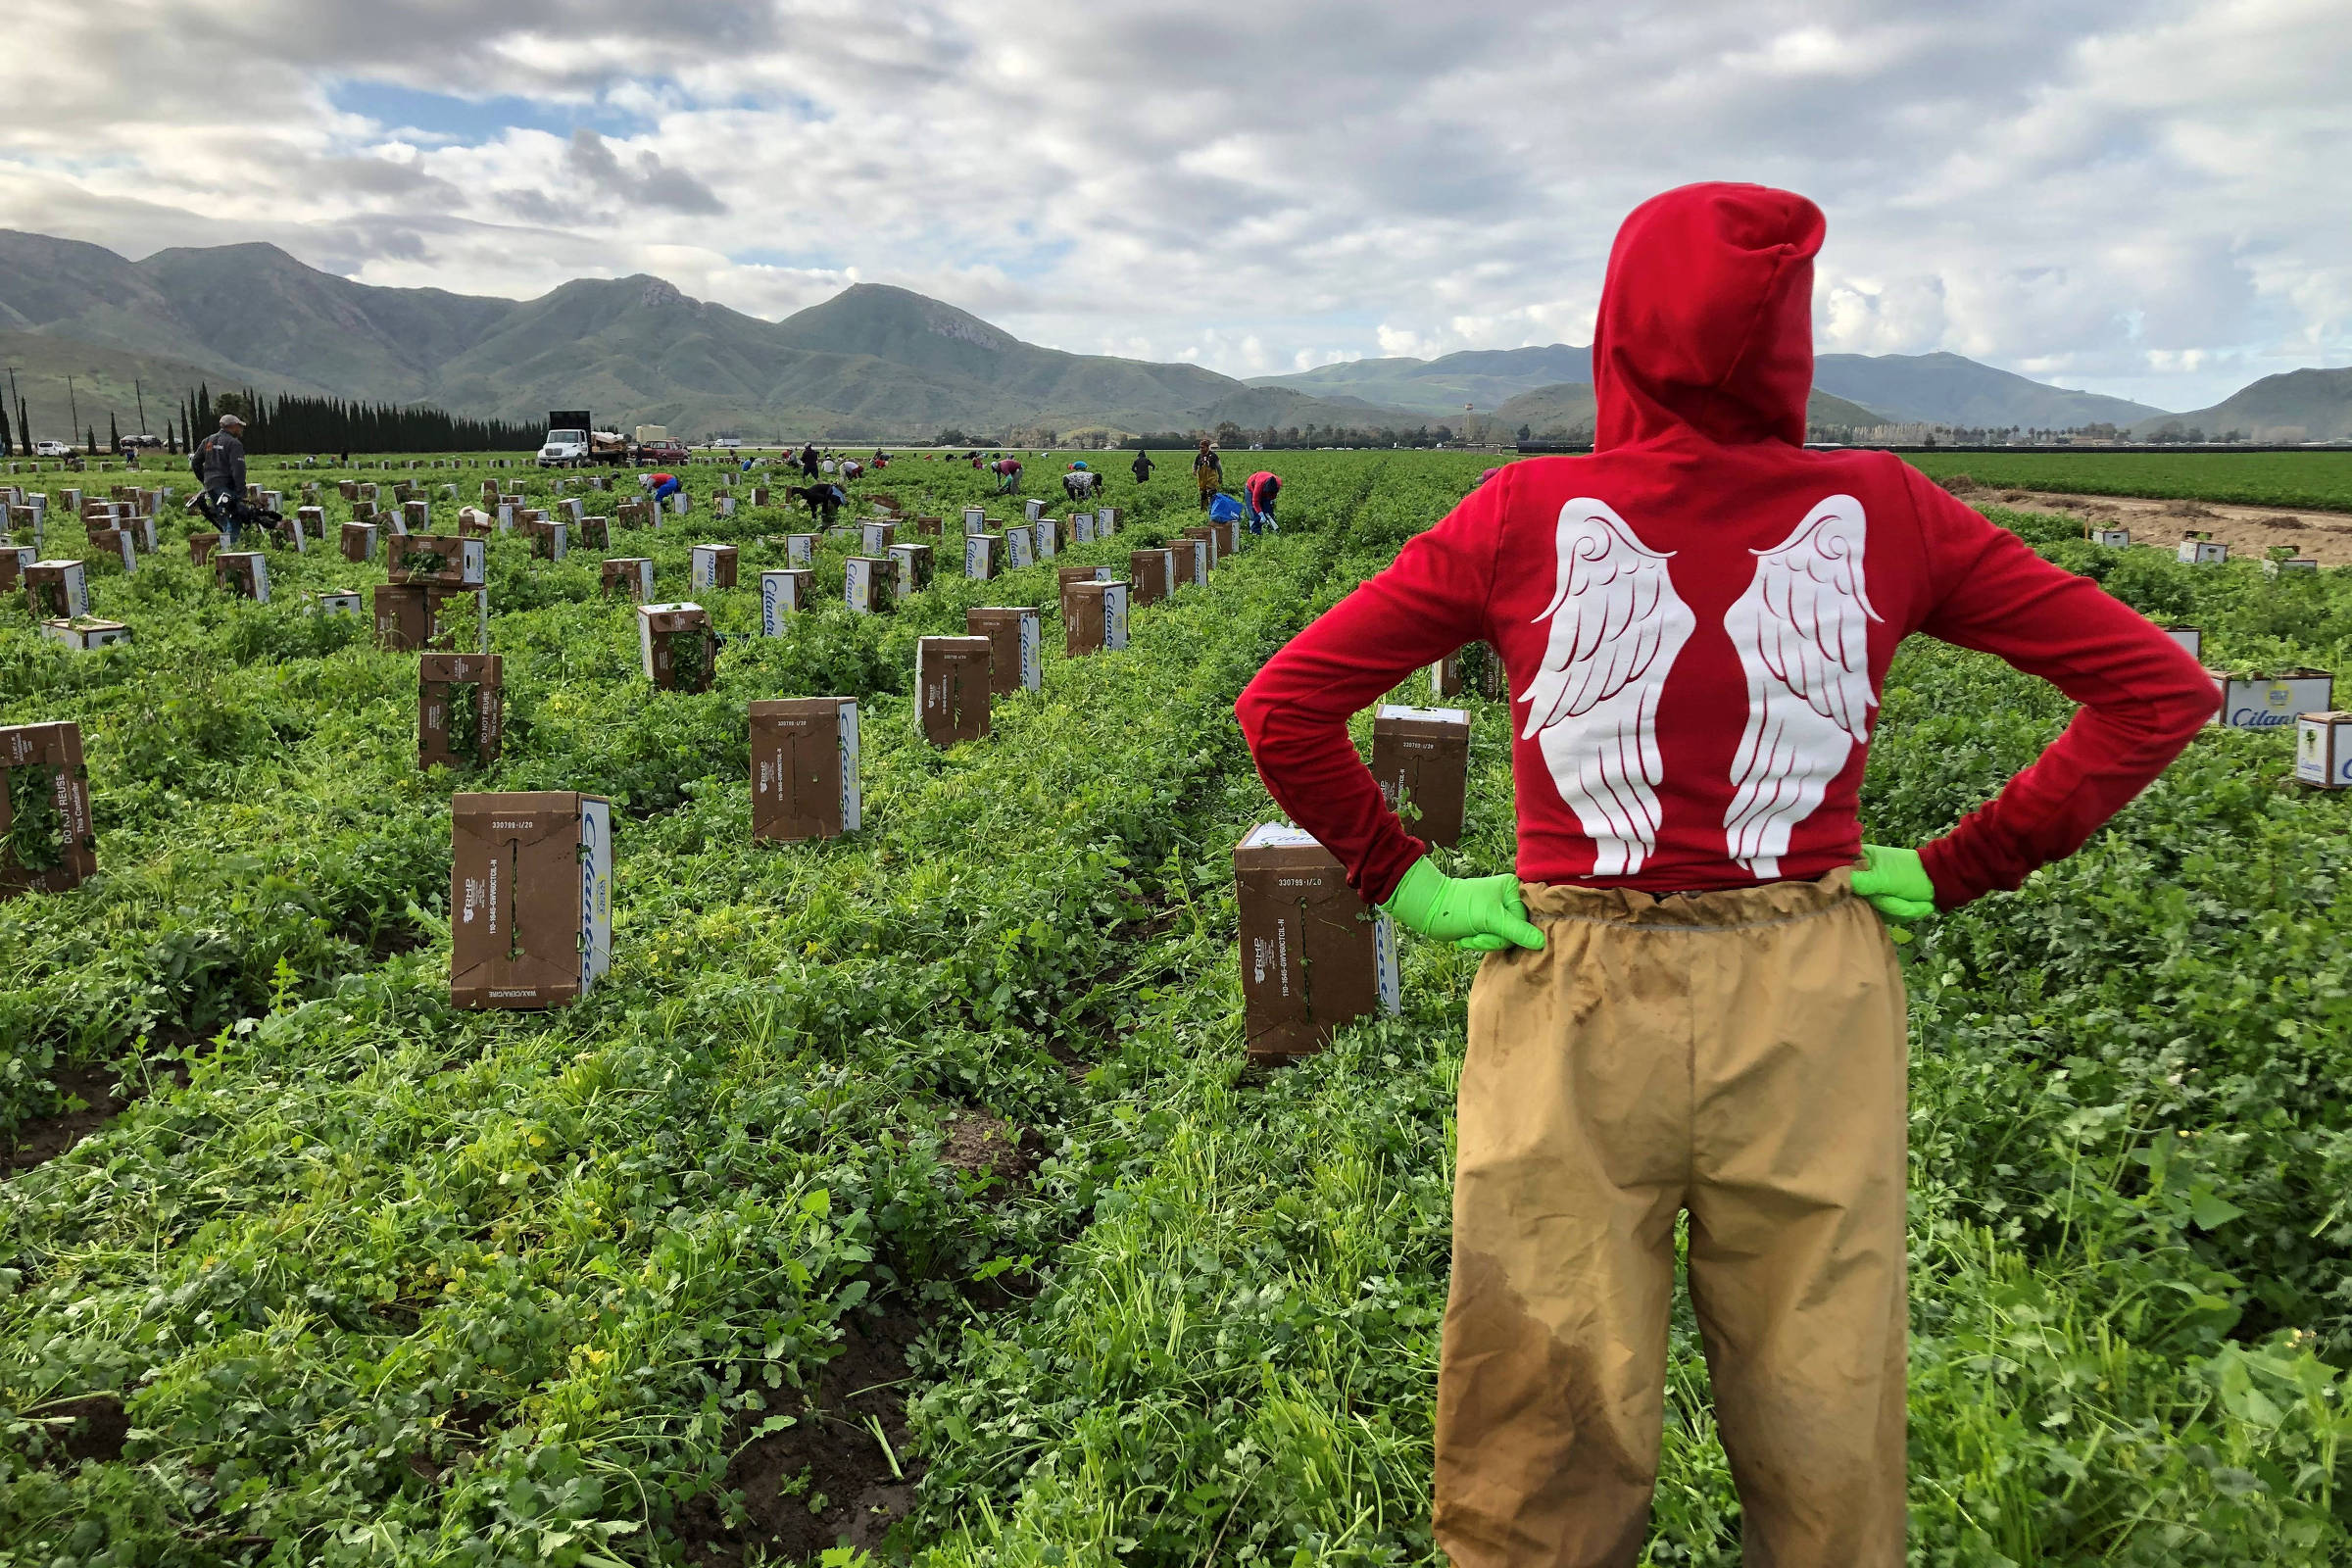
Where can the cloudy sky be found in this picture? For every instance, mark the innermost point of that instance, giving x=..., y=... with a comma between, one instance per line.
x=2137, y=197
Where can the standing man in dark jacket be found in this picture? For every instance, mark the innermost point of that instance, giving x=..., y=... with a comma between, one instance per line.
x=1141, y=466
x=220, y=469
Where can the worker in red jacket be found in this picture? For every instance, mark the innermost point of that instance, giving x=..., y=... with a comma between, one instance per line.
x=1689, y=1001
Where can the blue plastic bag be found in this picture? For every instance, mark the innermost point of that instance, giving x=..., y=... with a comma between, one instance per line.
x=1223, y=508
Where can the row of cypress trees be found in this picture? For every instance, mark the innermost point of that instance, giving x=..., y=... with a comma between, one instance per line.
x=289, y=423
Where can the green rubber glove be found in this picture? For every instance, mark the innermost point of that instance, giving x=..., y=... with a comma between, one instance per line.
x=1895, y=883
x=1479, y=912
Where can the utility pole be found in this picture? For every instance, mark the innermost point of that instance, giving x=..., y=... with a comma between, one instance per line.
x=140, y=393
x=73, y=406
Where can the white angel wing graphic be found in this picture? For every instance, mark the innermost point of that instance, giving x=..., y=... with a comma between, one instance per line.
x=1803, y=631
x=1616, y=626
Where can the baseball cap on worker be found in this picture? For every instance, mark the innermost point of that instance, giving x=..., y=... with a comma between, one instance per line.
x=229, y=421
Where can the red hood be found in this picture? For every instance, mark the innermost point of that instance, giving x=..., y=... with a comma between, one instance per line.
x=1706, y=318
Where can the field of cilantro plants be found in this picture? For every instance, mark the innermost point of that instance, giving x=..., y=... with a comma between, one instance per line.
x=903, y=1197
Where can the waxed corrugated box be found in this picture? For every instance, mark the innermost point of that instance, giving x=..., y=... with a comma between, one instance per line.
x=952, y=688
x=530, y=897
x=805, y=769
x=1094, y=617
x=1313, y=955
x=440, y=678
x=1422, y=755
x=1014, y=634
x=56, y=747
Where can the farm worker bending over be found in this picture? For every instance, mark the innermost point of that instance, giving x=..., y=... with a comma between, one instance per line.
x=219, y=465
x=1008, y=475
x=1208, y=472
x=1141, y=467
x=1260, y=491
x=662, y=486
x=1691, y=1002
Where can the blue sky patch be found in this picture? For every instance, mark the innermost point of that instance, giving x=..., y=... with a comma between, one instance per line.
x=473, y=121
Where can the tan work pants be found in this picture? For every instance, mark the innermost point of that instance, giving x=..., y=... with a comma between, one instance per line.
x=1739, y=1055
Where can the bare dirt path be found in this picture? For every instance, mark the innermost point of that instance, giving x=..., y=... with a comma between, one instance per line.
x=2324, y=536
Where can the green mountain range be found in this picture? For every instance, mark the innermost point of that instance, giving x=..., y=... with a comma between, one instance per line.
x=872, y=362
x=87, y=334
x=2297, y=406
x=1565, y=413
x=1888, y=388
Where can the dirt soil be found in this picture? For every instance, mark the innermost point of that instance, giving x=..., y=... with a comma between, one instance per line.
x=829, y=1457
x=45, y=1137
x=2325, y=536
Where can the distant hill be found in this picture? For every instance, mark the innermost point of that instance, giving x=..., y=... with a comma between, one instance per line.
x=1951, y=389
x=1483, y=377
x=2297, y=406
x=1904, y=388
x=871, y=361
x=1566, y=413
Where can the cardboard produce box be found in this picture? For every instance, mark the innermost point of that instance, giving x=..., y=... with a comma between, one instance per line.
x=1082, y=528
x=114, y=545
x=975, y=520
x=1192, y=562
x=2197, y=548
x=245, y=573
x=359, y=542
x=1313, y=955
x=983, y=554
x=632, y=575
x=1106, y=522
x=914, y=569
x=349, y=489
x=876, y=538
x=1048, y=533
x=1422, y=755
x=1032, y=509
x=800, y=550
x=440, y=560
x=593, y=534
x=48, y=839
x=2190, y=638
x=1152, y=573
x=2112, y=538
x=2271, y=701
x=1015, y=636
x=333, y=602
x=1475, y=667
x=950, y=681
x=56, y=589
x=201, y=547
x=530, y=897
x=1021, y=547
x=713, y=566
x=783, y=593
x=414, y=616
x=1227, y=538
x=476, y=523
x=1206, y=534
x=805, y=768
x=549, y=537
x=1094, y=617
x=677, y=646
x=15, y=559
x=25, y=525
x=86, y=632
x=416, y=517
x=459, y=709
x=930, y=527
x=2323, y=750
x=726, y=505
x=866, y=585
x=1066, y=575
x=2289, y=565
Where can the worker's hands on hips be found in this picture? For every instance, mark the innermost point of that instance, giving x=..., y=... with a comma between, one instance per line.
x=1894, y=883
x=1479, y=912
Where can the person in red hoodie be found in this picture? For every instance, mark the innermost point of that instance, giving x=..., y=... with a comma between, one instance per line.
x=1690, y=1002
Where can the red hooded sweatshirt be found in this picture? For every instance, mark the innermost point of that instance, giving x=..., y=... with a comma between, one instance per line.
x=1696, y=620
